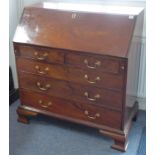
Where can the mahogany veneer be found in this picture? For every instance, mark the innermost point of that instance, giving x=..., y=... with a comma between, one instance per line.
x=76, y=65
x=71, y=73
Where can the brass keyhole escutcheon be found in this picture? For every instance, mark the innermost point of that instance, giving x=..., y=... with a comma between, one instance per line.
x=73, y=15
x=44, y=105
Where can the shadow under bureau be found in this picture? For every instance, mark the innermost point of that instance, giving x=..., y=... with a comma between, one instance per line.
x=77, y=65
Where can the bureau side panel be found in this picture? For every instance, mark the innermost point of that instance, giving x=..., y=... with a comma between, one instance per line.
x=133, y=63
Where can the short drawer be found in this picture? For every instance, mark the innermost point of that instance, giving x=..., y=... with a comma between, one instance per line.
x=72, y=91
x=40, y=53
x=92, y=62
x=71, y=109
x=81, y=76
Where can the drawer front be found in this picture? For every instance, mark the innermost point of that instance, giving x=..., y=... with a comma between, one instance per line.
x=75, y=92
x=41, y=54
x=91, y=78
x=92, y=62
x=71, y=109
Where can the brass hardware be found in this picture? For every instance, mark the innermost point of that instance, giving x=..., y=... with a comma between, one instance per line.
x=131, y=17
x=43, y=57
x=93, y=82
x=44, y=105
x=97, y=96
x=41, y=72
x=73, y=15
x=91, y=117
x=122, y=67
x=97, y=63
x=46, y=87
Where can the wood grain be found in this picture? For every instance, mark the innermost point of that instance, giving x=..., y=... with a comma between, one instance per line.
x=69, y=73
x=72, y=91
x=107, y=34
x=40, y=53
x=76, y=66
x=72, y=109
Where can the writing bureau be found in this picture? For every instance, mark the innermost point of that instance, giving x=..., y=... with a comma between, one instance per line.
x=75, y=62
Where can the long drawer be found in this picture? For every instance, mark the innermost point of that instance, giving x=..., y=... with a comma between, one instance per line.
x=71, y=109
x=72, y=91
x=62, y=72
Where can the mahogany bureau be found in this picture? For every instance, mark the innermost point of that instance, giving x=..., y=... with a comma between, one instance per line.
x=75, y=63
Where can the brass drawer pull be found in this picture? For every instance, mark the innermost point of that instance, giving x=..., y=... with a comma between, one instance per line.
x=39, y=70
x=97, y=63
x=43, y=57
x=44, y=105
x=47, y=86
x=93, y=82
x=91, y=117
x=91, y=99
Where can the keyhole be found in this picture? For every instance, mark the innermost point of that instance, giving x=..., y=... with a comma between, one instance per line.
x=73, y=15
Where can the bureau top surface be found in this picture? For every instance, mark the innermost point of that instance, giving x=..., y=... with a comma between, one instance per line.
x=98, y=29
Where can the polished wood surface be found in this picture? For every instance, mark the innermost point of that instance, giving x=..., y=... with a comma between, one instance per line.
x=76, y=66
x=40, y=54
x=24, y=114
x=72, y=91
x=72, y=109
x=95, y=62
x=105, y=34
x=70, y=73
